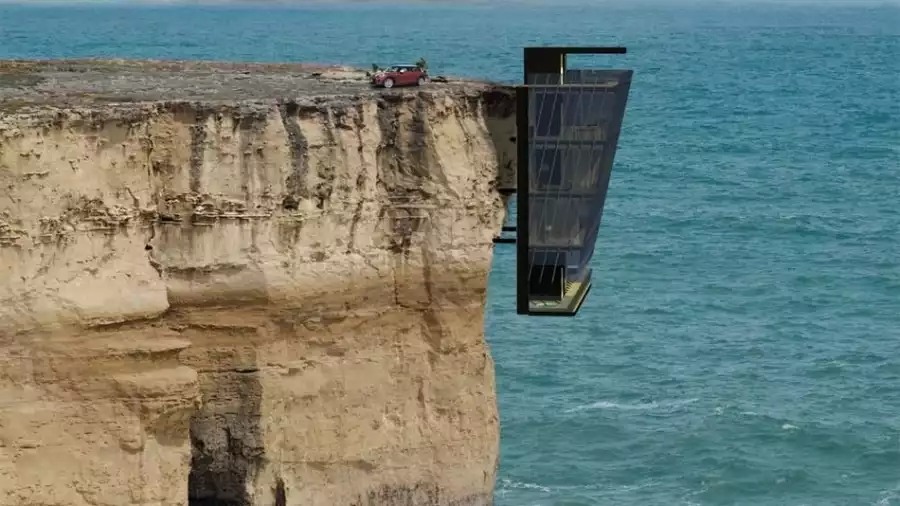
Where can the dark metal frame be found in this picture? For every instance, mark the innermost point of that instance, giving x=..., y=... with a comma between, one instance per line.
x=522, y=204
x=549, y=60
x=537, y=60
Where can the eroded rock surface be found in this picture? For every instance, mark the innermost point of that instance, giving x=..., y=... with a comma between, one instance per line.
x=275, y=300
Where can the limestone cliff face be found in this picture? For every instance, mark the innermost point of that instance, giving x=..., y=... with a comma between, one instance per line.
x=260, y=303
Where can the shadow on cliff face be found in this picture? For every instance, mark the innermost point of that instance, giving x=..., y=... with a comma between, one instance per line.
x=499, y=111
x=226, y=439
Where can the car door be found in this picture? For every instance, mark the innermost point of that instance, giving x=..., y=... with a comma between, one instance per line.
x=403, y=76
x=412, y=75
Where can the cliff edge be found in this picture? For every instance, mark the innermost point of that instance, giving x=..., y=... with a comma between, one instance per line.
x=236, y=284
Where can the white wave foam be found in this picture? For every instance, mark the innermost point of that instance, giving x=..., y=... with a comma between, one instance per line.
x=508, y=484
x=889, y=497
x=640, y=406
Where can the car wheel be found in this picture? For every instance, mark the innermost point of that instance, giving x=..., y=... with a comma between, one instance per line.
x=421, y=81
x=388, y=83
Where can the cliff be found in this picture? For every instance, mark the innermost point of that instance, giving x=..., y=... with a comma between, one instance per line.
x=245, y=285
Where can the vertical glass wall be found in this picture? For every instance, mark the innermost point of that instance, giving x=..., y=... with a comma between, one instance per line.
x=573, y=130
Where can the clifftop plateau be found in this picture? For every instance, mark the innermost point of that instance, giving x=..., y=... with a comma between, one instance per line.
x=246, y=284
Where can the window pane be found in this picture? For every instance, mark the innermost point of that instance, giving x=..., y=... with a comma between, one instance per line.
x=547, y=168
x=547, y=107
x=581, y=165
x=588, y=107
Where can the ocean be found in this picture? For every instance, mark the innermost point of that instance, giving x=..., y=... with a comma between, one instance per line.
x=741, y=344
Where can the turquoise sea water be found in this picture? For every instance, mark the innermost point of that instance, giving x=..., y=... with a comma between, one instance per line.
x=741, y=345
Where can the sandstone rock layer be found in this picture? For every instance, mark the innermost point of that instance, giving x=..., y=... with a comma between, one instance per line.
x=267, y=302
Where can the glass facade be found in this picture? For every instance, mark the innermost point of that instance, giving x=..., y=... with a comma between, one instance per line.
x=574, y=119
